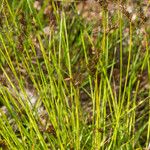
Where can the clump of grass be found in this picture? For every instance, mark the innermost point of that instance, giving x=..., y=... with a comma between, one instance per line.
x=52, y=70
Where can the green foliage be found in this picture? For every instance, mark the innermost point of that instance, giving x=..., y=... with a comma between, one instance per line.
x=54, y=68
